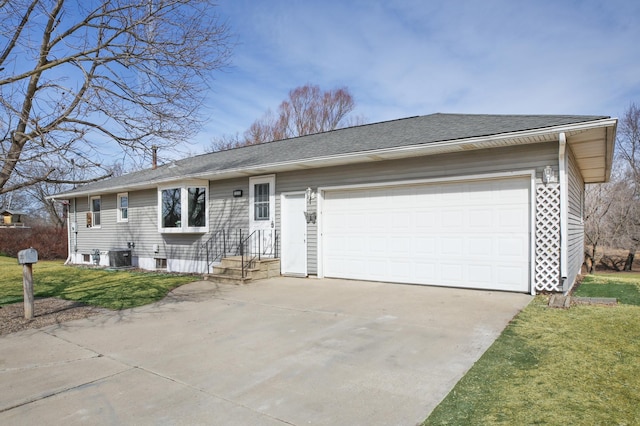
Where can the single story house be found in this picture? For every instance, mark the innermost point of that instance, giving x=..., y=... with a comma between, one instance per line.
x=476, y=201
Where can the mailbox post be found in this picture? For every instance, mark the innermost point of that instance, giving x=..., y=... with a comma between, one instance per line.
x=27, y=258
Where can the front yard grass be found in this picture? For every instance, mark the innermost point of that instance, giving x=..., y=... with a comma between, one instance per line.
x=579, y=366
x=623, y=286
x=97, y=287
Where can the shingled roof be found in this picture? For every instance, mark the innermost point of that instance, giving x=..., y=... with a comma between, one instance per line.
x=428, y=134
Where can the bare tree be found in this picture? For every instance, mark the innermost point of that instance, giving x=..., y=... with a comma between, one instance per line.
x=612, y=210
x=597, y=205
x=307, y=110
x=629, y=151
x=79, y=79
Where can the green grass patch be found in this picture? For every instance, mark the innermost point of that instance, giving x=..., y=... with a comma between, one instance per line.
x=553, y=366
x=98, y=287
x=623, y=286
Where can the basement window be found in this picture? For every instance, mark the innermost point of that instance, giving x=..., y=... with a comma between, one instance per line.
x=161, y=263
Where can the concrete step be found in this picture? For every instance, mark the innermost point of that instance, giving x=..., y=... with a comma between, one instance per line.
x=231, y=262
x=224, y=279
x=230, y=270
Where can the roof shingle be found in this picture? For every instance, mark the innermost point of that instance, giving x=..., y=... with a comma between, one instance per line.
x=412, y=131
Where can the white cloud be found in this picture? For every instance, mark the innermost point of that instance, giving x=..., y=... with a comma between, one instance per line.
x=408, y=58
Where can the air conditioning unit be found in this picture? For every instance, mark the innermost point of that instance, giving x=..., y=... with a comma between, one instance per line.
x=119, y=258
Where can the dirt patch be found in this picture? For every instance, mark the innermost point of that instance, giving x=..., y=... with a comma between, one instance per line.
x=47, y=311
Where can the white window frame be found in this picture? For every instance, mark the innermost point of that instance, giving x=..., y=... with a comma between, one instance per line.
x=184, y=227
x=261, y=204
x=93, y=213
x=119, y=207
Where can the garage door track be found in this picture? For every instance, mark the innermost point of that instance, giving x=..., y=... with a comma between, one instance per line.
x=278, y=351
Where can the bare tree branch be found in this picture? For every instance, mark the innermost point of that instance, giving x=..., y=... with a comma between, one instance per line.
x=612, y=210
x=307, y=110
x=101, y=76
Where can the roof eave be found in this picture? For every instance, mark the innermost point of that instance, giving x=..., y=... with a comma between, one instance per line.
x=524, y=137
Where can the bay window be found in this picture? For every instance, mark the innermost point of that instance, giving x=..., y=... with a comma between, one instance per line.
x=183, y=207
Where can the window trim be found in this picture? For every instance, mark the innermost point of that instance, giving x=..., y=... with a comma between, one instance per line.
x=184, y=227
x=258, y=205
x=119, y=207
x=93, y=213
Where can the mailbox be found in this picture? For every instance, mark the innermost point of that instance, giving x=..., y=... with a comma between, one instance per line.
x=27, y=256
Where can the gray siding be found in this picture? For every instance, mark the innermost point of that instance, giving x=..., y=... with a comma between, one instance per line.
x=528, y=157
x=231, y=213
x=142, y=227
x=575, y=226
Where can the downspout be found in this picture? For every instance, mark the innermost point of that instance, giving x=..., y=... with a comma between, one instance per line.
x=73, y=232
x=564, y=217
x=68, y=261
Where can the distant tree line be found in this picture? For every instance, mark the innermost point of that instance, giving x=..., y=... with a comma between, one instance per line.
x=612, y=209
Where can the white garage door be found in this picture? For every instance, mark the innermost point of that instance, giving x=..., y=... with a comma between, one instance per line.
x=471, y=234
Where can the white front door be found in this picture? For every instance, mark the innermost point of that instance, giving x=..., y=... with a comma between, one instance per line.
x=294, y=235
x=262, y=214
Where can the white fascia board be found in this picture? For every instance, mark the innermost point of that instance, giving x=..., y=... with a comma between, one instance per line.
x=508, y=139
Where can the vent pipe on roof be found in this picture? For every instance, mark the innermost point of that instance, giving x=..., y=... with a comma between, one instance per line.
x=154, y=157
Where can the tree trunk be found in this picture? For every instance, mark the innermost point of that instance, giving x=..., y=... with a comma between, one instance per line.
x=628, y=264
x=590, y=260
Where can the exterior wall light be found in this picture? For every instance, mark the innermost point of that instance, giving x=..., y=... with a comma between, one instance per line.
x=548, y=175
x=309, y=195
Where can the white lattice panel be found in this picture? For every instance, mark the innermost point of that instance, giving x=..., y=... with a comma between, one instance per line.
x=548, y=238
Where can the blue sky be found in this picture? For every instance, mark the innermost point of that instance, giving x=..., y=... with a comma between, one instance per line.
x=406, y=58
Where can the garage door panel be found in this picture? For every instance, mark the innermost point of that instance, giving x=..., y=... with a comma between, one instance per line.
x=378, y=245
x=481, y=246
x=512, y=218
x=481, y=273
x=424, y=246
x=465, y=234
x=451, y=218
x=480, y=219
x=451, y=273
x=512, y=247
x=451, y=246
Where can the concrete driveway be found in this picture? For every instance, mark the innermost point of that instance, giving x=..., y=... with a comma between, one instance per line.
x=278, y=351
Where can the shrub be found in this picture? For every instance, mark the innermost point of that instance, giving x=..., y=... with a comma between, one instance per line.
x=49, y=241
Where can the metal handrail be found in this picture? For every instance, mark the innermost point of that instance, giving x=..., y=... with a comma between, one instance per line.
x=252, y=249
x=213, y=248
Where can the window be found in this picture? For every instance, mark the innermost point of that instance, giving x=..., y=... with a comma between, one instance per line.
x=261, y=201
x=171, y=208
x=183, y=208
x=93, y=216
x=197, y=207
x=86, y=258
x=161, y=263
x=123, y=207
